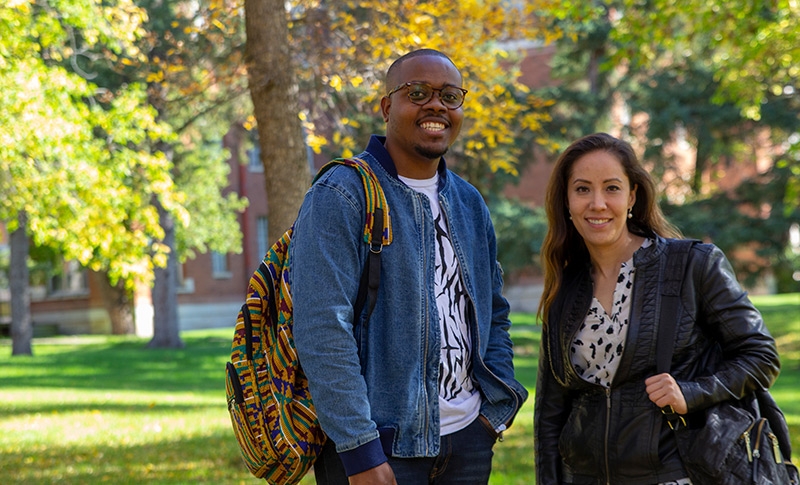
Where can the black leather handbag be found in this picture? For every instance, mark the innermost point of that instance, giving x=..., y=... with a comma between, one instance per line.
x=735, y=442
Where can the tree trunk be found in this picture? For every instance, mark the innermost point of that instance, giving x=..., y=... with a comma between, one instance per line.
x=702, y=158
x=166, y=328
x=275, y=102
x=118, y=303
x=19, y=286
x=593, y=70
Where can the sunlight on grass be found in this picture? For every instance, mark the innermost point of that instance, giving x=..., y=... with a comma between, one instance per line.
x=513, y=460
x=108, y=410
x=112, y=411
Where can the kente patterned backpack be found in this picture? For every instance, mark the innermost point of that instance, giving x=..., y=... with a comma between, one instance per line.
x=271, y=410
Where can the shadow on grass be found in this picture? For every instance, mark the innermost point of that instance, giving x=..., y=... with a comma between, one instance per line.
x=526, y=340
x=121, y=364
x=204, y=459
x=53, y=409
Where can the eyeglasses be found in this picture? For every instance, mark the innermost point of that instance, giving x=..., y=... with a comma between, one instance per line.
x=420, y=93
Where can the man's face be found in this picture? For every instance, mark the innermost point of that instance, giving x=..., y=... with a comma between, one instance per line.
x=422, y=133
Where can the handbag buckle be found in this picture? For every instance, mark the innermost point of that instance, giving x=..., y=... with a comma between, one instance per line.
x=674, y=419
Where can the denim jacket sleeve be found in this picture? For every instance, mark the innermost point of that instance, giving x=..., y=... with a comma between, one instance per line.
x=499, y=356
x=328, y=254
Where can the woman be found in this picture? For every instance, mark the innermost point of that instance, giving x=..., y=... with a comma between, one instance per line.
x=598, y=402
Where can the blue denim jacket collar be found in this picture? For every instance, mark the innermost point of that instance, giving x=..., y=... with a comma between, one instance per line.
x=377, y=149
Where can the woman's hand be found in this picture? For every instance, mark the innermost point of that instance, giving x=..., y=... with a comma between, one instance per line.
x=664, y=391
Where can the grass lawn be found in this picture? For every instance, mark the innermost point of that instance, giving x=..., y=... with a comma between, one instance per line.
x=91, y=409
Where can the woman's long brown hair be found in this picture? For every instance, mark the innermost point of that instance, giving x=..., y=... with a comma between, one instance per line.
x=563, y=245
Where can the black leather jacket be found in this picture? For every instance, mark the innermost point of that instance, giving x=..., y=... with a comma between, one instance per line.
x=586, y=434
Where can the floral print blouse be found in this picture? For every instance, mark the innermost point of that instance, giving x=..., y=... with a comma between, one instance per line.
x=600, y=340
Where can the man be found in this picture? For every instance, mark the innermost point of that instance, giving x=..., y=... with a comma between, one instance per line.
x=420, y=392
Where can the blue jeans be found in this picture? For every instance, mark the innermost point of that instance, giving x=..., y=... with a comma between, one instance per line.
x=465, y=458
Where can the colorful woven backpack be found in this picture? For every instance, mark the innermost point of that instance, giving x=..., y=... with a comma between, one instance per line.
x=271, y=410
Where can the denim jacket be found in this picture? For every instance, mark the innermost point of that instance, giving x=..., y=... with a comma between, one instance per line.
x=375, y=384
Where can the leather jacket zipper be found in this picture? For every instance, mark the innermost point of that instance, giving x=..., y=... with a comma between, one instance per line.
x=608, y=428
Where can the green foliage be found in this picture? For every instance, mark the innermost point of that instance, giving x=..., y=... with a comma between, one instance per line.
x=680, y=101
x=84, y=146
x=61, y=153
x=107, y=105
x=583, y=92
x=680, y=97
x=754, y=216
x=520, y=231
x=213, y=223
x=685, y=71
x=344, y=50
x=195, y=75
x=751, y=47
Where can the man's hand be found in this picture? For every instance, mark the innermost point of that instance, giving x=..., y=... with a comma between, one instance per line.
x=664, y=391
x=380, y=475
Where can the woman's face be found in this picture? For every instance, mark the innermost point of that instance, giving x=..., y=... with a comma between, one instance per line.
x=598, y=199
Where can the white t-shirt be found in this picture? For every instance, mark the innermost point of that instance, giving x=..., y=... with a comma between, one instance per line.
x=459, y=401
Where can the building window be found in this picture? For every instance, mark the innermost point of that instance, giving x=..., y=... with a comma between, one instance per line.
x=70, y=279
x=263, y=236
x=185, y=285
x=254, y=159
x=219, y=265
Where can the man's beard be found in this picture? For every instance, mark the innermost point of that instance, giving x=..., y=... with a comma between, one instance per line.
x=430, y=153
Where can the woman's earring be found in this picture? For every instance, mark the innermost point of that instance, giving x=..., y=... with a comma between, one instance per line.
x=630, y=216
x=570, y=215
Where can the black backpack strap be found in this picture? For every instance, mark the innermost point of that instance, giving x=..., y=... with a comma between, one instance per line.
x=371, y=277
x=379, y=233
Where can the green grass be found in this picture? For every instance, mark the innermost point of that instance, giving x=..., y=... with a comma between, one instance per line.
x=95, y=410
x=105, y=409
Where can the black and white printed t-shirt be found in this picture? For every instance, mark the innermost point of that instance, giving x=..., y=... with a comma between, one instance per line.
x=600, y=340
x=459, y=401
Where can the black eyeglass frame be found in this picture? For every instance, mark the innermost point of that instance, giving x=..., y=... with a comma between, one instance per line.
x=433, y=90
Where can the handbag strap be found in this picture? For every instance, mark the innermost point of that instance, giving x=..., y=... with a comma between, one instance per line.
x=677, y=256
